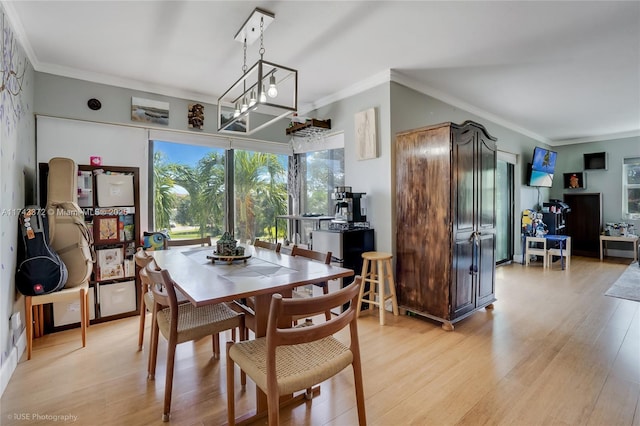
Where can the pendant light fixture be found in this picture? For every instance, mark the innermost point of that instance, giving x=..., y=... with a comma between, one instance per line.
x=246, y=106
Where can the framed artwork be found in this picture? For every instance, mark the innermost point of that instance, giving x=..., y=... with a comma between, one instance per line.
x=366, y=141
x=149, y=111
x=226, y=116
x=196, y=116
x=105, y=229
x=574, y=180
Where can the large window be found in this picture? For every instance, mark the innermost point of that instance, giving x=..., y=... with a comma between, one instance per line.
x=209, y=185
x=189, y=189
x=260, y=187
x=190, y=184
x=631, y=188
x=315, y=175
x=322, y=171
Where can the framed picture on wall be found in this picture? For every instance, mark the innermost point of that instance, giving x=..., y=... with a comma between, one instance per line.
x=574, y=180
x=105, y=229
x=366, y=140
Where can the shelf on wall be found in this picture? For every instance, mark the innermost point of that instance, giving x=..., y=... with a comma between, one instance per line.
x=595, y=161
x=310, y=128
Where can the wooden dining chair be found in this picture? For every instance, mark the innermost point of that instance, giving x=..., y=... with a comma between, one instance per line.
x=321, y=257
x=288, y=360
x=204, y=241
x=34, y=310
x=180, y=323
x=142, y=259
x=267, y=245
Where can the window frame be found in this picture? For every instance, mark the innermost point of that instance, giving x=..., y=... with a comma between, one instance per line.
x=626, y=186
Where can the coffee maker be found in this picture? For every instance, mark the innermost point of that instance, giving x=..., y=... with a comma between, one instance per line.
x=350, y=206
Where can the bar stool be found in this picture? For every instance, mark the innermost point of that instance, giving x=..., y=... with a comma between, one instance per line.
x=373, y=271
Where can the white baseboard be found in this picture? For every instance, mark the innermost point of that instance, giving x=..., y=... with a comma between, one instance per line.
x=10, y=364
x=620, y=253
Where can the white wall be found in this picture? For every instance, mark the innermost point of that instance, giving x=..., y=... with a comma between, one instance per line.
x=79, y=140
x=370, y=176
x=17, y=188
x=67, y=98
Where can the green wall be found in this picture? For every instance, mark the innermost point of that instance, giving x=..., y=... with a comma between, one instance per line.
x=607, y=182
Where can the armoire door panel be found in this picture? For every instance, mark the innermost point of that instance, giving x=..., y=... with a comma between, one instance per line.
x=464, y=182
x=487, y=182
x=486, y=273
x=462, y=292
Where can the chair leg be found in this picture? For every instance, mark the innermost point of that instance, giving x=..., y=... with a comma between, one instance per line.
x=379, y=268
x=153, y=347
x=83, y=315
x=243, y=336
x=40, y=320
x=86, y=311
x=143, y=317
x=28, y=309
x=325, y=290
x=215, y=339
x=231, y=404
x=365, y=269
x=392, y=287
x=273, y=407
x=372, y=285
x=168, y=385
x=357, y=378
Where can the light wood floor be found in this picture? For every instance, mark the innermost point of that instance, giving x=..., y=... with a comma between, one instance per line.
x=554, y=351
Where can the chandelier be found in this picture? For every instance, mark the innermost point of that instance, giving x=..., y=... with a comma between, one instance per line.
x=265, y=93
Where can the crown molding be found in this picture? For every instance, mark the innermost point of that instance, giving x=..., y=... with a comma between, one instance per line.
x=141, y=86
x=94, y=77
x=359, y=87
x=411, y=83
x=18, y=30
x=599, y=138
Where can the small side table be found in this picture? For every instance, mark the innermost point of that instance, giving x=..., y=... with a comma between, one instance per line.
x=562, y=240
x=633, y=239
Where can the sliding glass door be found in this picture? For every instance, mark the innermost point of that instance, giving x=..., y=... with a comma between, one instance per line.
x=504, y=211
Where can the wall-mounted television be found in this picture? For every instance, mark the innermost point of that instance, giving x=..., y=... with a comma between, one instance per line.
x=543, y=167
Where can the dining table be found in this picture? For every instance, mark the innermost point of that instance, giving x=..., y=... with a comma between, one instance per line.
x=207, y=279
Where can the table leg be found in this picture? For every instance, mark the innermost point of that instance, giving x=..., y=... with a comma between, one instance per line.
x=601, y=243
x=561, y=256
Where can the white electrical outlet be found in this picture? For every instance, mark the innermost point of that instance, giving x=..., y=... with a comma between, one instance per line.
x=15, y=321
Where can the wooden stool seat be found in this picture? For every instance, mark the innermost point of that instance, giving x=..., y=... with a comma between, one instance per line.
x=376, y=270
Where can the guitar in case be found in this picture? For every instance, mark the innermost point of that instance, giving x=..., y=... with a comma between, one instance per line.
x=70, y=236
x=40, y=270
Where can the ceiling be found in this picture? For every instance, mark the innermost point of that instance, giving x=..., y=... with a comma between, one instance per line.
x=560, y=72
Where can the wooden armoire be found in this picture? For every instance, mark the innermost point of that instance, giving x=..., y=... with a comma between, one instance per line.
x=445, y=239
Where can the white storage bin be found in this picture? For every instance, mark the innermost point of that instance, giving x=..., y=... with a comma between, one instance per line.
x=115, y=190
x=69, y=312
x=117, y=298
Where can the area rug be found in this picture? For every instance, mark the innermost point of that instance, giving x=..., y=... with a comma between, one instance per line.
x=628, y=285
